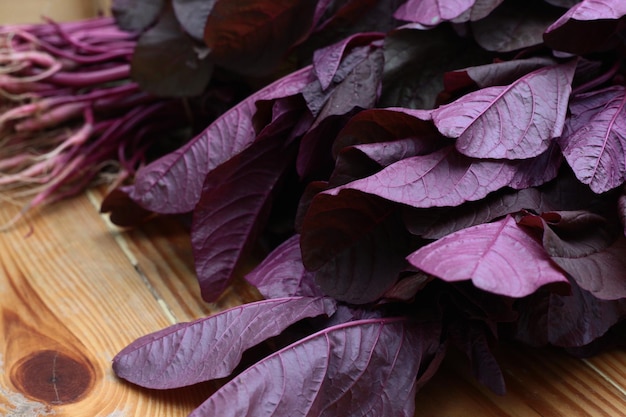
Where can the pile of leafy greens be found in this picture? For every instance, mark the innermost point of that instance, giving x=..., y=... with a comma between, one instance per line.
x=424, y=175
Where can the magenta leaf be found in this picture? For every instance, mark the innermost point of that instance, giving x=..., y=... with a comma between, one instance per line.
x=211, y=347
x=386, y=125
x=498, y=257
x=361, y=368
x=517, y=121
x=326, y=60
x=594, y=140
x=499, y=73
x=282, y=273
x=442, y=178
x=234, y=205
x=436, y=223
x=432, y=12
x=173, y=183
x=536, y=171
x=564, y=193
x=480, y=10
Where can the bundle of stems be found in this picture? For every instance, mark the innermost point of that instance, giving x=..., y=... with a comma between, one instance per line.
x=69, y=111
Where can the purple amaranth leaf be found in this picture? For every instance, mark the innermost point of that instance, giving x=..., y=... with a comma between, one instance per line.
x=407, y=81
x=517, y=121
x=442, y=178
x=514, y=26
x=326, y=60
x=581, y=318
x=498, y=257
x=480, y=10
x=589, y=26
x=536, y=171
x=435, y=223
x=621, y=206
x=385, y=125
x=572, y=320
x=136, y=15
x=499, y=73
x=358, y=90
x=594, y=139
x=173, y=183
x=355, y=244
x=596, y=10
x=211, y=347
x=183, y=73
x=193, y=14
x=473, y=339
x=234, y=205
x=377, y=138
x=365, y=367
x=432, y=12
x=563, y=3
x=563, y=193
x=282, y=273
x=588, y=247
x=387, y=153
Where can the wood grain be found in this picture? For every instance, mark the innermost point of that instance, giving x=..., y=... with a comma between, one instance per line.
x=69, y=300
x=31, y=11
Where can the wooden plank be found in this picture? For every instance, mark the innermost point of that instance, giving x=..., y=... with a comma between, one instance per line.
x=161, y=252
x=70, y=300
x=540, y=382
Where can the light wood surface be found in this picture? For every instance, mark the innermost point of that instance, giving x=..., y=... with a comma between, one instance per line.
x=74, y=290
x=31, y=11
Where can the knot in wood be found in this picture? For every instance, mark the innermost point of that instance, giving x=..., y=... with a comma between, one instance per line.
x=52, y=377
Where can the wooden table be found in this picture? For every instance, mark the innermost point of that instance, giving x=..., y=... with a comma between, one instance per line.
x=74, y=290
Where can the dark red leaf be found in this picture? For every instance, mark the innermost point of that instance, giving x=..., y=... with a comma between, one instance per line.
x=354, y=243
x=251, y=36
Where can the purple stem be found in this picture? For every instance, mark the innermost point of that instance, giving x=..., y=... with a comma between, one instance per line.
x=84, y=79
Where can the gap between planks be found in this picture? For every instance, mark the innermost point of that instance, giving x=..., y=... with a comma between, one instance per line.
x=123, y=244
